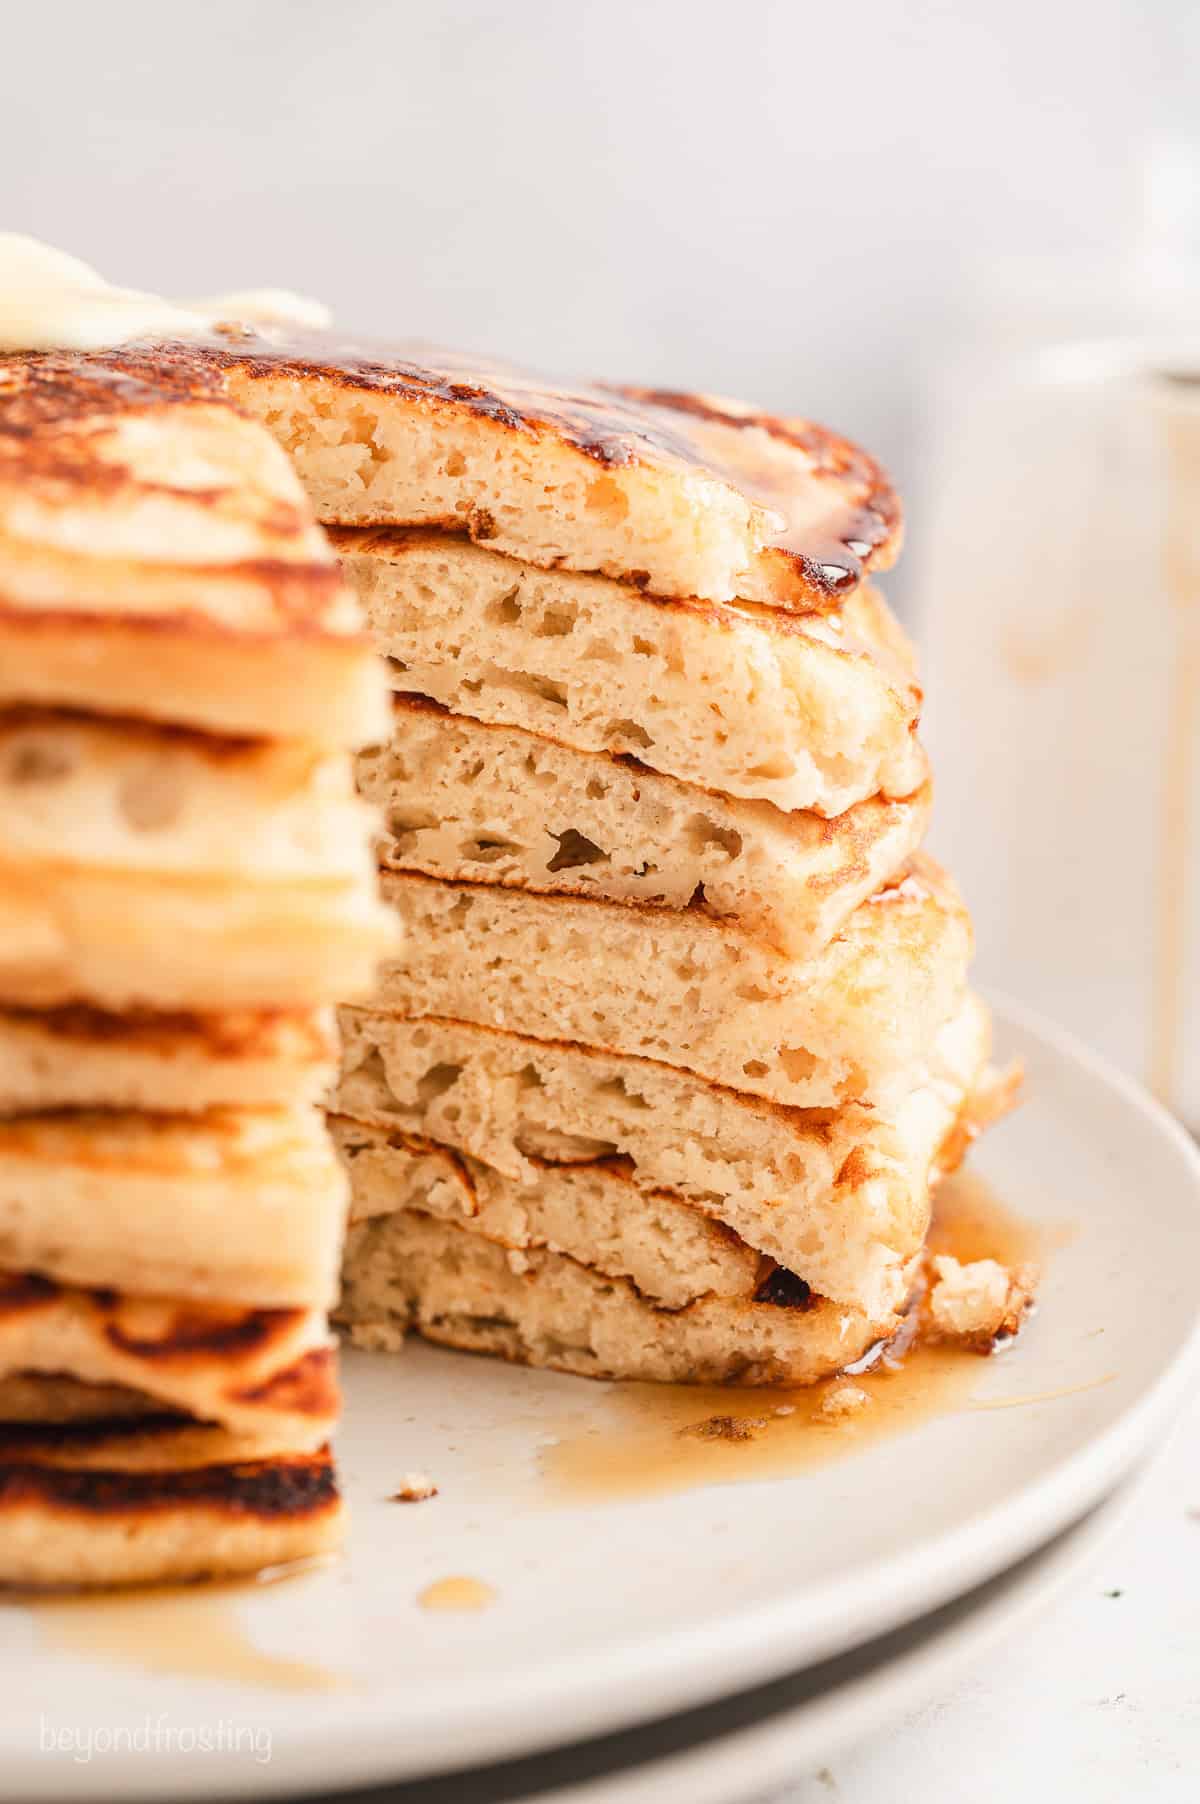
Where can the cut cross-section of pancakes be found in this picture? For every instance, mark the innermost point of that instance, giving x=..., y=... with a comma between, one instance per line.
x=586, y=1263
x=678, y=1040
x=412, y=1271
x=841, y=1195
x=684, y=494
x=125, y=795
x=652, y=801
x=491, y=804
x=592, y=1212
x=817, y=712
x=854, y=1023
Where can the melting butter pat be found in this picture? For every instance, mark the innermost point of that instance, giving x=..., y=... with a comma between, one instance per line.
x=50, y=301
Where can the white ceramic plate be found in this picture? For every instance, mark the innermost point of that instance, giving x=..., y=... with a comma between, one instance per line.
x=763, y=1743
x=609, y=1614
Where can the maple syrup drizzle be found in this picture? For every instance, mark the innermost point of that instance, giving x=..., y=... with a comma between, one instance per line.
x=654, y=1439
x=1064, y=1390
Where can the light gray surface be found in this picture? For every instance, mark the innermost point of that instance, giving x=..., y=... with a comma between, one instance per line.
x=1089, y=1695
x=745, y=1747
x=1101, y=1703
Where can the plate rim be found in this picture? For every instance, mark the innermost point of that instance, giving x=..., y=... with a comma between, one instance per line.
x=854, y=1706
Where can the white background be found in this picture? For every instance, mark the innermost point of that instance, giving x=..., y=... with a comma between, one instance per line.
x=1099, y=1705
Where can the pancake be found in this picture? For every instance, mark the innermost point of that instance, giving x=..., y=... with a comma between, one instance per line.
x=593, y=1212
x=158, y=557
x=155, y=1501
x=815, y=713
x=125, y=795
x=129, y=941
x=411, y=1272
x=233, y=1206
x=52, y=1400
x=843, y=1194
x=491, y=804
x=72, y=1058
x=686, y=494
x=266, y=1374
x=144, y=866
x=855, y=1023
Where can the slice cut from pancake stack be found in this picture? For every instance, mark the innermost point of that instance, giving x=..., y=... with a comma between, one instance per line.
x=683, y=1037
x=186, y=888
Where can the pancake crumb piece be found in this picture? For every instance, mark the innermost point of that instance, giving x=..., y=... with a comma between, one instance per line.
x=981, y=1304
x=842, y=1400
x=415, y=1487
x=725, y=1428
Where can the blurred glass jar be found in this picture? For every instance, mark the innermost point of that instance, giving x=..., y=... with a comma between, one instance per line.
x=1058, y=589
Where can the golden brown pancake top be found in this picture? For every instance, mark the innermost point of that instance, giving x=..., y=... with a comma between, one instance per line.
x=612, y=425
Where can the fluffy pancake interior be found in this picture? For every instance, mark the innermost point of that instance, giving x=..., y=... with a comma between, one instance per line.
x=857, y=1022
x=841, y=1195
x=485, y=803
x=816, y=713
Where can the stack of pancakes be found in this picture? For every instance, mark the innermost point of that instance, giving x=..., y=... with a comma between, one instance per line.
x=684, y=1035
x=186, y=887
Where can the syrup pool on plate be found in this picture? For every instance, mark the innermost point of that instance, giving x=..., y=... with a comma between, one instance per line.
x=651, y=1438
x=191, y=1631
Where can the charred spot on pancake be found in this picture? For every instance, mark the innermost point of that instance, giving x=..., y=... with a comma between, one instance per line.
x=784, y=1290
x=601, y=423
x=615, y=426
x=232, y=1033
x=307, y=1388
x=411, y=702
x=856, y=1169
x=21, y=1291
x=288, y=1487
x=836, y=559
x=24, y=1441
x=58, y=389
x=181, y=1331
